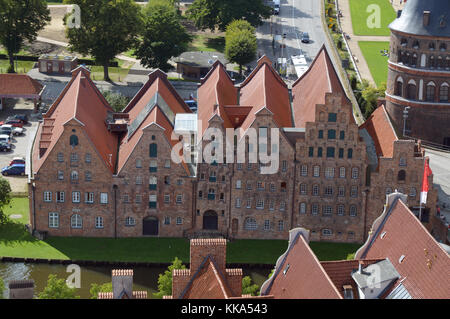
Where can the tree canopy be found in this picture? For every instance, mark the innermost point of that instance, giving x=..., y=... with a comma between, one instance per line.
x=240, y=43
x=96, y=288
x=5, y=199
x=248, y=287
x=162, y=35
x=107, y=28
x=57, y=289
x=212, y=14
x=165, y=280
x=21, y=20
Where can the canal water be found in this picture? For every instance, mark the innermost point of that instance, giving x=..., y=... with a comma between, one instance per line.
x=145, y=278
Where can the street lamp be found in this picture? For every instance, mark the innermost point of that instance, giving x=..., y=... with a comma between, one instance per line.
x=405, y=116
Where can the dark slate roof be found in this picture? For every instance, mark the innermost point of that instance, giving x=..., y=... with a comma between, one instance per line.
x=411, y=19
x=202, y=59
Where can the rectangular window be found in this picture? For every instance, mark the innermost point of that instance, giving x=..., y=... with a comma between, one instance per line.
x=260, y=204
x=327, y=210
x=60, y=197
x=355, y=173
x=272, y=188
x=331, y=134
x=89, y=197
x=74, y=157
x=166, y=220
x=303, y=189
x=166, y=198
x=280, y=225
x=249, y=203
x=87, y=158
x=138, y=198
x=311, y=152
x=302, y=208
x=153, y=166
x=139, y=180
x=330, y=152
x=153, y=150
x=304, y=170
x=238, y=203
x=282, y=205
x=152, y=201
x=179, y=221
x=271, y=204
x=349, y=153
x=266, y=224
x=329, y=172
x=60, y=157
x=99, y=222
x=341, y=191
x=341, y=153
x=316, y=171
x=167, y=164
x=354, y=191
x=179, y=199
x=53, y=220
x=260, y=185
x=60, y=175
x=238, y=184
x=239, y=166
x=320, y=134
x=47, y=196
x=319, y=152
x=315, y=190
x=103, y=198
x=284, y=166
x=76, y=197
x=342, y=172
x=332, y=117
x=126, y=198
x=315, y=209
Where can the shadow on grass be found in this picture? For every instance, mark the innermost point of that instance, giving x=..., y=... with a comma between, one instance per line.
x=13, y=233
x=217, y=44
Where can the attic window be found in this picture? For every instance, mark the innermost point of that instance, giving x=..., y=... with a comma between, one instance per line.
x=286, y=269
x=73, y=140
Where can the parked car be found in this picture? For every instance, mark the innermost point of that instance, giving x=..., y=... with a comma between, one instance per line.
x=16, y=169
x=8, y=129
x=5, y=139
x=17, y=160
x=13, y=122
x=305, y=37
x=5, y=147
x=192, y=105
x=22, y=117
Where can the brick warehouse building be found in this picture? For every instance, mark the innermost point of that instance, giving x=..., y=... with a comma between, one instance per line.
x=101, y=173
x=419, y=71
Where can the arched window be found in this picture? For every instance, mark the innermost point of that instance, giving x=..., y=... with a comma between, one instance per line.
x=414, y=60
x=431, y=46
x=250, y=224
x=431, y=62
x=73, y=140
x=327, y=232
x=416, y=45
x=401, y=175
x=302, y=208
x=443, y=93
x=431, y=89
x=399, y=87
x=440, y=62
x=412, y=90
x=76, y=221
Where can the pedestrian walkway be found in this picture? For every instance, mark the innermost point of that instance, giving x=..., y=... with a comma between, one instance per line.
x=355, y=51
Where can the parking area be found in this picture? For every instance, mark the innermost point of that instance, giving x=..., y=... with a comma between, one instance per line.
x=20, y=144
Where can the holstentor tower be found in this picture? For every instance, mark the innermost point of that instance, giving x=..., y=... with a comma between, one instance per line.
x=419, y=71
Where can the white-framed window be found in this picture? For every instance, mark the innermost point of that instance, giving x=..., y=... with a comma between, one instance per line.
x=303, y=189
x=329, y=172
x=89, y=197
x=103, y=198
x=355, y=172
x=412, y=192
x=284, y=166
x=328, y=190
x=76, y=221
x=47, y=196
x=179, y=182
x=126, y=198
x=341, y=191
x=138, y=198
x=88, y=176
x=315, y=209
x=238, y=202
x=152, y=198
x=302, y=208
x=74, y=157
x=354, y=191
x=341, y=172
x=327, y=210
x=74, y=175
x=304, y=170
x=239, y=166
x=179, y=221
x=53, y=220
x=353, y=211
x=61, y=175
x=76, y=197
x=249, y=165
x=130, y=221
x=249, y=185
x=99, y=222
x=60, y=157
x=327, y=232
x=260, y=185
x=282, y=205
x=179, y=198
x=138, y=163
x=238, y=184
x=167, y=163
x=250, y=224
x=139, y=180
x=280, y=225
x=273, y=187
x=167, y=198
x=315, y=190
x=402, y=161
x=316, y=171
x=260, y=203
x=271, y=204
x=249, y=203
x=266, y=224
x=153, y=165
x=60, y=197
x=87, y=158
x=341, y=210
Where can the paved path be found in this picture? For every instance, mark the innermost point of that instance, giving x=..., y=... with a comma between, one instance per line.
x=347, y=27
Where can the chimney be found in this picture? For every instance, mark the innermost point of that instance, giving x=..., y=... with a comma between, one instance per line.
x=360, y=267
x=216, y=248
x=122, y=283
x=21, y=289
x=426, y=18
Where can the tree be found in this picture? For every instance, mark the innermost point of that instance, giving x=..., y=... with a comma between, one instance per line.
x=212, y=14
x=2, y=288
x=107, y=28
x=116, y=100
x=248, y=288
x=5, y=199
x=57, y=289
x=369, y=96
x=21, y=20
x=240, y=44
x=165, y=280
x=96, y=288
x=162, y=37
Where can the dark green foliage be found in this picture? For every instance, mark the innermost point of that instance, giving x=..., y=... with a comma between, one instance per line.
x=248, y=288
x=240, y=43
x=368, y=95
x=21, y=20
x=96, y=288
x=165, y=280
x=57, y=289
x=5, y=198
x=116, y=100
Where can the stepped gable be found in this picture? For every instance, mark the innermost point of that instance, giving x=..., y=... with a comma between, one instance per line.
x=398, y=235
x=82, y=102
x=310, y=89
x=215, y=92
x=382, y=132
x=265, y=88
x=156, y=103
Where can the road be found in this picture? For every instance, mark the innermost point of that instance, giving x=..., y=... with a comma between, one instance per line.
x=296, y=17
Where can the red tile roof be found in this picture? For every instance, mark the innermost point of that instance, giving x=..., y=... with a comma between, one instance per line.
x=301, y=275
x=423, y=264
x=82, y=102
x=310, y=89
x=380, y=129
x=19, y=84
x=265, y=88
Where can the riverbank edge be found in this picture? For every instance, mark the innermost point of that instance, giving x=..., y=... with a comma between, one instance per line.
x=119, y=264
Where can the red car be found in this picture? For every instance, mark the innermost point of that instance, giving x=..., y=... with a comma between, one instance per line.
x=15, y=123
x=17, y=160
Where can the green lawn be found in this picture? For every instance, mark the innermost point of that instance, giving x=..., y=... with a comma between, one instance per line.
x=201, y=42
x=22, y=66
x=16, y=242
x=378, y=64
x=360, y=17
